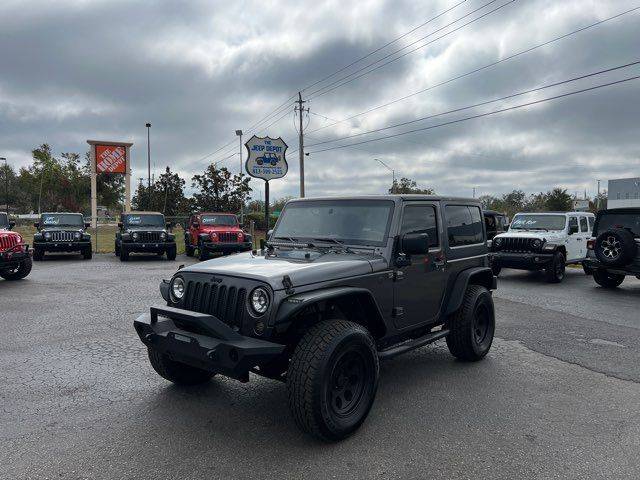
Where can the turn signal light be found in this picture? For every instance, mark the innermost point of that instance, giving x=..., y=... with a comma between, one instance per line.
x=591, y=244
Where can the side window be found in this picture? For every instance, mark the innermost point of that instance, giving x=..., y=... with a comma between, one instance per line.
x=591, y=220
x=573, y=224
x=464, y=225
x=421, y=219
x=584, y=227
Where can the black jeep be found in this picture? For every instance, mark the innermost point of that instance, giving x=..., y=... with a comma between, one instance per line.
x=144, y=232
x=61, y=232
x=614, y=250
x=341, y=284
x=15, y=256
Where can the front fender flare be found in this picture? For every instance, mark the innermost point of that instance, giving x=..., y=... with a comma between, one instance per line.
x=476, y=275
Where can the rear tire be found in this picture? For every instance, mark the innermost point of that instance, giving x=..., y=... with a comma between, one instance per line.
x=587, y=269
x=18, y=273
x=606, y=279
x=555, y=271
x=332, y=379
x=177, y=372
x=472, y=326
x=124, y=254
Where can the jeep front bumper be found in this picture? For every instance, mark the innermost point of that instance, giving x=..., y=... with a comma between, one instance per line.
x=524, y=261
x=154, y=247
x=10, y=258
x=215, y=347
x=55, y=246
x=227, y=247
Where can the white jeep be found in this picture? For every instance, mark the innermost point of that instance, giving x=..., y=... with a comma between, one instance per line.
x=543, y=241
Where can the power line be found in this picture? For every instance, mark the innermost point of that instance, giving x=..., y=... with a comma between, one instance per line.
x=487, y=102
x=476, y=70
x=336, y=84
x=486, y=114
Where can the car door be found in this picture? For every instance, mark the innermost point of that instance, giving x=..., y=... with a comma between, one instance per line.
x=419, y=286
x=585, y=234
x=574, y=239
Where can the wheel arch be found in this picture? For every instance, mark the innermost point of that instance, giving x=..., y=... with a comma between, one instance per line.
x=471, y=276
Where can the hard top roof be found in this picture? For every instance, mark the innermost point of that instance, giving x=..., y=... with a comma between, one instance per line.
x=394, y=197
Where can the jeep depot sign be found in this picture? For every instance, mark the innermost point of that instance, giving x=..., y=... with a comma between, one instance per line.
x=266, y=158
x=111, y=159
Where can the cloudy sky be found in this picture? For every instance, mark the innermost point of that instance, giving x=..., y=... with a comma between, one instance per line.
x=199, y=70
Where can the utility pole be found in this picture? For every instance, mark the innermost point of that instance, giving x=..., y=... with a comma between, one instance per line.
x=598, y=197
x=300, y=109
x=474, y=192
x=6, y=183
x=239, y=134
x=393, y=174
x=148, y=125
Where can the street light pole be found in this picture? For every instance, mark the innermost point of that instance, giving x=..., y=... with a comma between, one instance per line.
x=239, y=134
x=598, y=197
x=148, y=125
x=6, y=183
x=393, y=174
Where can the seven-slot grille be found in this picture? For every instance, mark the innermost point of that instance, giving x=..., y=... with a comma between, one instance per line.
x=228, y=237
x=62, y=236
x=148, y=237
x=225, y=303
x=518, y=245
x=8, y=241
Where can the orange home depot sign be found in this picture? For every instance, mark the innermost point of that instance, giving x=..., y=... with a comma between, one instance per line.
x=111, y=159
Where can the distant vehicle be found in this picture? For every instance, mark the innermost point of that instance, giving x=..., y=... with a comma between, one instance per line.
x=144, y=232
x=614, y=250
x=15, y=257
x=343, y=283
x=61, y=232
x=268, y=158
x=495, y=222
x=209, y=233
x=543, y=241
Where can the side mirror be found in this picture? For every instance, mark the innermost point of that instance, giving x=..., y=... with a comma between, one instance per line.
x=169, y=225
x=120, y=225
x=11, y=225
x=269, y=232
x=414, y=244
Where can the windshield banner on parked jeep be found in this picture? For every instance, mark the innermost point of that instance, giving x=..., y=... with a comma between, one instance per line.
x=111, y=159
x=266, y=158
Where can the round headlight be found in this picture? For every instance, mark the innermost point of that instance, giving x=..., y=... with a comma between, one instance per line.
x=134, y=235
x=77, y=235
x=537, y=243
x=497, y=241
x=47, y=235
x=176, y=290
x=259, y=301
x=163, y=236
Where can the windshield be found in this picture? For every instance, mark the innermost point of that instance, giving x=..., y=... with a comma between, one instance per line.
x=143, y=220
x=630, y=221
x=356, y=222
x=62, y=220
x=226, y=220
x=538, y=222
x=4, y=222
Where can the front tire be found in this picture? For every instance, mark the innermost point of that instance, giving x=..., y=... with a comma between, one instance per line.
x=18, y=273
x=202, y=253
x=177, y=372
x=124, y=254
x=332, y=379
x=587, y=269
x=472, y=326
x=172, y=253
x=87, y=253
x=555, y=271
x=606, y=279
x=38, y=254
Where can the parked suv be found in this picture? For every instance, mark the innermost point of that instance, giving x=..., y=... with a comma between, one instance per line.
x=543, y=241
x=495, y=223
x=61, y=232
x=342, y=283
x=144, y=232
x=614, y=250
x=15, y=257
x=208, y=233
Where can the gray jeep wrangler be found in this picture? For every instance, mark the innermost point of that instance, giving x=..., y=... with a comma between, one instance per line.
x=341, y=284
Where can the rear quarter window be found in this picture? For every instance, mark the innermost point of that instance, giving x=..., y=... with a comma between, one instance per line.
x=629, y=221
x=464, y=225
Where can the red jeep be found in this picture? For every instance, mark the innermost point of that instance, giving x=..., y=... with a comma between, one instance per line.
x=215, y=232
x=15, y=257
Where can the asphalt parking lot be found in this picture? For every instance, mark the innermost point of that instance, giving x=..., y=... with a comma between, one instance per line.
x=557, y=397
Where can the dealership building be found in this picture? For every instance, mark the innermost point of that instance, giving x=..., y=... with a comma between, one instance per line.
x=624, y=193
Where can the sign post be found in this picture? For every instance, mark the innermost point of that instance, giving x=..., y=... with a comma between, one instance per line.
x=266, y=160
x=113, y=158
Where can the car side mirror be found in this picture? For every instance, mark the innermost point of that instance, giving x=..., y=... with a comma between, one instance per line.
x=169, y=225
x=269, y=232
x=120, y=225
x=573, y=229
x=37, y=225
x=414, y=244
x=11, y=225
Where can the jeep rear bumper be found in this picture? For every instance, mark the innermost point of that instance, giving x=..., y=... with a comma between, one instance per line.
x=524, y=261
x=227, y=247
x=215, y=348
x=632, y=269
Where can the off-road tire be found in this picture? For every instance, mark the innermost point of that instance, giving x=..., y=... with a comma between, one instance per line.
x=334, y=366
x=472, y=326
x=19, y=273
x=554, y=273
x=124, y=254
x=38, y=254
x=188, y=249
x=606, y=279
x=587, y=269
x=177, y=372
x=87, y=253
x=615, y=247
x=496, y=269
x=172, y=253
x=202, y=253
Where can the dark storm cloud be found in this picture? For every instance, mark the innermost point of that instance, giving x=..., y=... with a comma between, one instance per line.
x=199, y=70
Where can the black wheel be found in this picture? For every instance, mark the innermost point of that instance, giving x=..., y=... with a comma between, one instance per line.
x=496, y=270
x=177, y=372
x=38, y=254
x=555, y=271
x=19, y=272
x=615, y=247
x=172, y=253
x=332, y=379
x=202, y=253
x=587, y=269
x=87, y=253
x=124, y=254
x=606, y=279
x=188, y=249
x=117, y=250
x=472, y=326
